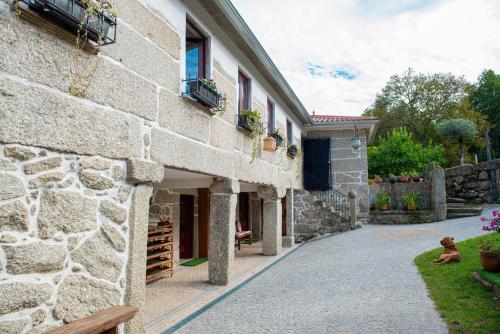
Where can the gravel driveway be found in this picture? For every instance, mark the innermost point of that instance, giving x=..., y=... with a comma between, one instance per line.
x=363, y=281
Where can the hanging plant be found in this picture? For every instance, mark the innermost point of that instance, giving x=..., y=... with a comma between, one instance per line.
x=251, y=120
x=278, y=136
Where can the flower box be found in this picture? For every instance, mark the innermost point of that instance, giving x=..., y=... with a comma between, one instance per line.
x=99, y=27
x=292, y=151
x=204, y=94
x=269, y=144
x=279, y=139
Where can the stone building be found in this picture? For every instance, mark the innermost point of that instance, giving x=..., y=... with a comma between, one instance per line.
x=84, y=170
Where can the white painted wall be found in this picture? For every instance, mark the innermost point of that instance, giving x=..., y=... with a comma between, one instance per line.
x=227, y=53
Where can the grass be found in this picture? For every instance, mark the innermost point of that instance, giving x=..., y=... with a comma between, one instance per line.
x=491, y=277
x=194, y=262
x=466, y=306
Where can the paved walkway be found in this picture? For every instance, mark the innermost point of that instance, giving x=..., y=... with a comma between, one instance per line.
x=363, y=281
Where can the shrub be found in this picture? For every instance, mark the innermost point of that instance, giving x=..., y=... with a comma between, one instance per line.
x=399, y=154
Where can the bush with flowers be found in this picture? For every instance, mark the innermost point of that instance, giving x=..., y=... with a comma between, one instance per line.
x=493, y=223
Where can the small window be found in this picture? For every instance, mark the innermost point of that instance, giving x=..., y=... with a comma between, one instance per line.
x=270, y=116
x=196, y=53
x=244, y=92
x=289, y=132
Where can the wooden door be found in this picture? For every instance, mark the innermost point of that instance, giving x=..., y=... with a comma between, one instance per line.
x=244, y=211
x=186, y=211
x=203, y=221
x=316, y=156
x=283, y=216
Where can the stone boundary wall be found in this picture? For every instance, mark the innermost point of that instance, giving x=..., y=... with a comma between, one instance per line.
x=394, y=217
x=471, y=182
x=312, y=219
x=397, y=190
x=63, y=236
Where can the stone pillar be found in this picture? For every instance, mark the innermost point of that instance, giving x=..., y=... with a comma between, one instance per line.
x=438, y=192
x=289, y=240
x=135, y=293
x=256, y=216
x=353, y=208
x=223, y=199
x=272, y=243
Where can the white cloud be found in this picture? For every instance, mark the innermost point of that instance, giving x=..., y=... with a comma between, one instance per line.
x=371, y=40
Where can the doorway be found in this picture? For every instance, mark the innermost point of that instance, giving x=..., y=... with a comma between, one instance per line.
x=283, y=216
x=186, y=235
x=244, y=211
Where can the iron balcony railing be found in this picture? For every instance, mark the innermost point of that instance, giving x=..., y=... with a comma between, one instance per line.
x=335, y=199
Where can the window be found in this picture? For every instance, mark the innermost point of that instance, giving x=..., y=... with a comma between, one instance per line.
x=244, y=92
x=196, y=53
x=289, y=132
x=270, y=116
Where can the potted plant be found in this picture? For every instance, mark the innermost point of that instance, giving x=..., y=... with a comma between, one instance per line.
x=404, y=178
x=414, y=176
x=292, y=151
x=383, y=201
x=410, y=201
x=490, y=249
x=250, y=121
x=269, y=144
x=392, y=178
x=278, y=136
x=205, y=92
x=422, y=177
x=378, y=179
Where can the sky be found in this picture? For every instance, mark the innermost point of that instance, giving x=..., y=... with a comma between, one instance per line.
x=337, y=54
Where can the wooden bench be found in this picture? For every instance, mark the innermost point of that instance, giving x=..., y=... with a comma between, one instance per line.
x=240, y=234
x=104, y=322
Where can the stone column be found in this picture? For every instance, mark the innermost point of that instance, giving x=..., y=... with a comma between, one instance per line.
x=271, y=243
x=223, y=199
x=143, y=174
x=256, y=216
x=353, y=208
x=289, y=239
x=438, y=192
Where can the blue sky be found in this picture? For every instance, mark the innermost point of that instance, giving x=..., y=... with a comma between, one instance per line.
x=337, y=54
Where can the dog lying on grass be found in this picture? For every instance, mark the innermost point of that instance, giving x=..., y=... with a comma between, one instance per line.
x=450, y=252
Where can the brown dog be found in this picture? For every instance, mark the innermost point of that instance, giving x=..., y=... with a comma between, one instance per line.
x=450, y=252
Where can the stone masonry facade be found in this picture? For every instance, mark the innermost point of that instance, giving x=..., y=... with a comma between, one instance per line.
x=473, y=182
x=63, y=236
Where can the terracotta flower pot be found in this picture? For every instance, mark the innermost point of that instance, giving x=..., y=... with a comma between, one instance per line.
x=411, y=207
x=404, y=178
x=378, y=179
x=384, y=207
x=269, y=144
x=490, y=261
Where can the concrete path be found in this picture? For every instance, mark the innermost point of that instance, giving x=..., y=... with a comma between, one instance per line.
x=362, y=281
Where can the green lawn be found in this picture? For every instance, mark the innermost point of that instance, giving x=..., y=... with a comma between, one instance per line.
x=466, y=306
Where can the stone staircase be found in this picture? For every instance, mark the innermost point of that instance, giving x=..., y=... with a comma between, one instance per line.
x=314, y=217
x=455, y=208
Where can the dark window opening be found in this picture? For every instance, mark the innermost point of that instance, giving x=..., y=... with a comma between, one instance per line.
x=244, y=93
x=289, y=132
x=270, y=116
x=196, y=53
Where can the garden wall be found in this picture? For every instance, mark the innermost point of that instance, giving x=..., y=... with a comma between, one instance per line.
x=471, y=182
x=397, y=190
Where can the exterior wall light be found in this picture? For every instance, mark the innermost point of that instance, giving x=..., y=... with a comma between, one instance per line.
x=355, y=141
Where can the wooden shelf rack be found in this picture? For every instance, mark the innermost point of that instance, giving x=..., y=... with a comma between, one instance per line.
x=160, y=252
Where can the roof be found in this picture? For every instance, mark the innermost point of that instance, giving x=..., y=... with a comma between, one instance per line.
x=340, y=118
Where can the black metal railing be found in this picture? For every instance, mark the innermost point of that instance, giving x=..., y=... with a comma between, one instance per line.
x=98, y=27
x=204, y=93
x=336, y=200
x=249, y=125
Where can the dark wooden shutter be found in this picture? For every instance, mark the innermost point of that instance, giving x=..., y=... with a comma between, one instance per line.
x=317, y=164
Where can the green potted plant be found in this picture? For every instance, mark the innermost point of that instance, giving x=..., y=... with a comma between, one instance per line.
x=490, y=255
x=250, y=121
x=404, y=178
x=414, y=176
x=383, y=201
x=410, y=201
x=278, y=136
x=292, y=150
x=392, y=178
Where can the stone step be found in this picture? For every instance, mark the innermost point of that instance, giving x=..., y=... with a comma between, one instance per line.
x=455, y=200
x=475, y=210
x=455, y=205
x=460, y=215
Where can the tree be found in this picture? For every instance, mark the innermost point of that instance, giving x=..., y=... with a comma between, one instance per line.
x=397, y=153
x=419, y=101
x=485, y=98
x=459, y=130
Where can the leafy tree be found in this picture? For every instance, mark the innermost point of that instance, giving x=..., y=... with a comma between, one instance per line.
x=459, y=130
x=418, y=102
x=398, y=153
x=485, y=98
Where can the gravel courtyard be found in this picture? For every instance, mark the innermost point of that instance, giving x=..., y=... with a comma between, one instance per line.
x=362, y=281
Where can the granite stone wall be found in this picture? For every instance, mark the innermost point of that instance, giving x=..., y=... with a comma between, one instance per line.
x=397, y=190
x=63, y=236
x=472, y=182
